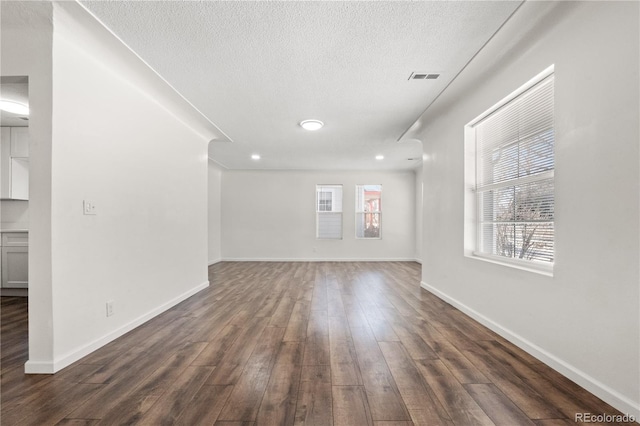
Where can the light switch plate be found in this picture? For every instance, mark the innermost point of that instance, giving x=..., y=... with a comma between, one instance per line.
x=89, y=207
x=110, y=308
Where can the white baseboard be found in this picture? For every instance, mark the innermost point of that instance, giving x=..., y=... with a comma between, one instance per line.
x=213, y=262
x=35, y=367
x=16, y=292
x=602, y=391
x=314, y=259
x=48, y=367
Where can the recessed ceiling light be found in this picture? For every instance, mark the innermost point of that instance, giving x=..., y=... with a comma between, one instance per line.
x=255, y=157
x=379, y=157
x=311, y=124
x=14, y=107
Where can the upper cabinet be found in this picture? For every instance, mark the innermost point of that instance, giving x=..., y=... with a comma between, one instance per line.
x=14, y=163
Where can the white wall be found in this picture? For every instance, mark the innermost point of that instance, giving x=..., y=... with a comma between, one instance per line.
x=270, y=215
x=121, y=138
x=583, y=321
x=26, y=36
x=419, y=212
x=215, y=212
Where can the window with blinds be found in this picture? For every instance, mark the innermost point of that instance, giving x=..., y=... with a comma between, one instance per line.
x=368, y=211
x=513, y=192
x=329, y=211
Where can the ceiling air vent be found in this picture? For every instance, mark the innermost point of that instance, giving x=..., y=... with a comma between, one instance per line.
x=423, y=76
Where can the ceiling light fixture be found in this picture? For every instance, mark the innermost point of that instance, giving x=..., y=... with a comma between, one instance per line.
x=379, y=157
x=311, y=125
x=14, y=107
x=255, y=157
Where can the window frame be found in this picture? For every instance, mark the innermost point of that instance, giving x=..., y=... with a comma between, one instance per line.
x=472, y=214
x=361, y=212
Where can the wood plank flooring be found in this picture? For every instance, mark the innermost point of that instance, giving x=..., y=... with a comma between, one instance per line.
x=291, y=344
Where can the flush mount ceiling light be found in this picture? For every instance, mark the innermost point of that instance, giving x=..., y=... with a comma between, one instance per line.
x=255, y=157
x=379, y=157
x=311, y=124
x=14, y=107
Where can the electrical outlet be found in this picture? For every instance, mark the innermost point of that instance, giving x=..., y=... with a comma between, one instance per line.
x=89, y=207
x=110, y=308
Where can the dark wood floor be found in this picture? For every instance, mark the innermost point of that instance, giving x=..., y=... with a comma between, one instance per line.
x=295, y=343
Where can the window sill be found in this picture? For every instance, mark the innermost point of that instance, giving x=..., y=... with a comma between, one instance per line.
x=542, y=269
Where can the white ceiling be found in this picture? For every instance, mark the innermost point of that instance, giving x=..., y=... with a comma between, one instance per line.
x=256, y=69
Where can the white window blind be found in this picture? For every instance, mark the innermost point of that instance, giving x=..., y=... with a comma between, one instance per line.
x=514, y=191
x=368, y=211
x=329, y=211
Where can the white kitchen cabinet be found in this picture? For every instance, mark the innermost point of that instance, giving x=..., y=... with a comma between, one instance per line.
x=19, y=142
x=19, y=178
x=15, y=260
x=14, y=163
x=5, y=162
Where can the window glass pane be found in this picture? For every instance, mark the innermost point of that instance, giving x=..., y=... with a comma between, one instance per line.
x=360, y=225
x=525, y=241
x=369, y=198
x=368, y=225
x=534, y=241
x=534, y=201
x=536, y=154
x=325, y=201
x=531, y=201
x=329, y=198
x=517, y=140
x=368, y=208
x=497, y=239
x=497, y=204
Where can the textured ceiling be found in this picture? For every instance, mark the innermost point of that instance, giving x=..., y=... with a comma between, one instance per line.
x=256, y=69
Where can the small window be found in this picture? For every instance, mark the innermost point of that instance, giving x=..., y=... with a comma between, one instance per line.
x=368, y=211
x=510, y=173
x=329, y=211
